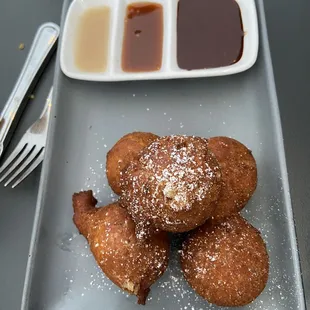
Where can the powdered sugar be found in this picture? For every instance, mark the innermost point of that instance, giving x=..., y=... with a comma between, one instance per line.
x=174, y=174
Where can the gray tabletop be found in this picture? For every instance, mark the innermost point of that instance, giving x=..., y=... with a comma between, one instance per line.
x=288, y=32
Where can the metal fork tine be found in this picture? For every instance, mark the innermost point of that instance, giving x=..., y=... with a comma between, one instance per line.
x=29, y=152
x=19, y=147
x=26, y=151
x=31, y=157
x=34, y=165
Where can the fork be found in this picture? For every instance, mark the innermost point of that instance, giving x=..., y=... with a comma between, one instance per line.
x=29, y=152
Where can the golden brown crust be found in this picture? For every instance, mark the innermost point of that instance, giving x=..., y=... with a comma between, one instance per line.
x=172, y=186
x=239, y=175
x=123, y=153
x=226, y=263
x=83, y=205
x=131, y=264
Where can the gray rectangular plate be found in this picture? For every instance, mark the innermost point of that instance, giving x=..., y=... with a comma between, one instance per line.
x=91, y=117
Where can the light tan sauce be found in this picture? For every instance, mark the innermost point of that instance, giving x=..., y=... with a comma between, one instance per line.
x=92, y=40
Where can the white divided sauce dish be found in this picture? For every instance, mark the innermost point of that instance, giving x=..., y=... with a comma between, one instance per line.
x=169, y=68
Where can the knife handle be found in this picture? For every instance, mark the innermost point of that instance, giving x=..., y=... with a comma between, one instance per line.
x=40, y=52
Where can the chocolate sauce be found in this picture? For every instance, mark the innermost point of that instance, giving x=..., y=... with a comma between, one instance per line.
x=209, y=34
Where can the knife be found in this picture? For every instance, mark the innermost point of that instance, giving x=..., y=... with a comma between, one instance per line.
x=41, y=50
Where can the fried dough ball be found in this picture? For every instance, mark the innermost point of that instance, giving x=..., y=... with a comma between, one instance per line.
x=226, y=263
x=133, y=266
x=172, y=186
x=239, y=175
x=123, y=153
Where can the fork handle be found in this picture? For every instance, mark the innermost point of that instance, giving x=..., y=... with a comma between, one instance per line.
x=40, y=52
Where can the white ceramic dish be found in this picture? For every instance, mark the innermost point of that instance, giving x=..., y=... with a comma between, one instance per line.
x=169, y=69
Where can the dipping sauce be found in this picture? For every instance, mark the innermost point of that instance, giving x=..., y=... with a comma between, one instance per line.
x=92, y=40
x=209, y=33
x=143, y=38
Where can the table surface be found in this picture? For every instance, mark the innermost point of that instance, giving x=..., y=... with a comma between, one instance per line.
x=287, y=26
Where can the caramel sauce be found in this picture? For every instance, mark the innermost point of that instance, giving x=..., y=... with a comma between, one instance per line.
x=143, y=38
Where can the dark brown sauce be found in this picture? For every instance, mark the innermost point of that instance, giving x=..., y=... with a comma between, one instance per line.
x=209, y=33
x=143, y=38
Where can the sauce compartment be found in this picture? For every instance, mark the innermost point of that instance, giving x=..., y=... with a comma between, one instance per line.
x=121, y=33
x=249, y=50
x=91, y=46
x=123, y=52
x=71, y=36
x=142, y=49
x=209, y=34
